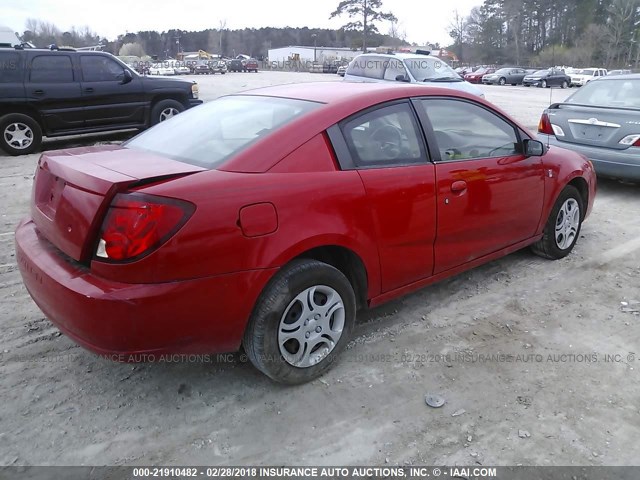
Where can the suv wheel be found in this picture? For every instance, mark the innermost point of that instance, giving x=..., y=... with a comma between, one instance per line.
x=19, y=134
x=164, y=110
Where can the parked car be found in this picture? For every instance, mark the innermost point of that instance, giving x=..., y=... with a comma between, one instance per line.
x=406, y=67
x=342, y=70
x=218, y=66
x=201, y=68
x=311, y=201
x=476, y=77
x=550, y=77
x=585, y=75
x=161, y=69
x=502, y=76
x=251, y=65
x=619, y=72
x=235, y=65
x=602, y=122
x=181, y=69
x=64, y=92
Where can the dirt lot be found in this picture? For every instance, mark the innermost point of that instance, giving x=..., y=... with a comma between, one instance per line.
x=517, y=348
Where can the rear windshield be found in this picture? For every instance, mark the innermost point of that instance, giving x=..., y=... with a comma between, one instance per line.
x=212, y=133
x=623, y=93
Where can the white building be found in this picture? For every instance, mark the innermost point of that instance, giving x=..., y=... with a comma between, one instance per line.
x=311, y=54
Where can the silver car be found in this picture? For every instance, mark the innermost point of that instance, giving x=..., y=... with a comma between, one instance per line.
x=602, y=122
x=406, y=67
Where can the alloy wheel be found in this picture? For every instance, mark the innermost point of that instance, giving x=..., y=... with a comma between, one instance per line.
x=567, y=223
x=18, y=135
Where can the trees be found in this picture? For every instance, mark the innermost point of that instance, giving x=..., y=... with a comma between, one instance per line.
x=365, y=13
x=582, y=32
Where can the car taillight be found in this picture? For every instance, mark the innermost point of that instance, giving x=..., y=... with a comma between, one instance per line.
x=544, y=126
x=631, y=141
x=137, y=224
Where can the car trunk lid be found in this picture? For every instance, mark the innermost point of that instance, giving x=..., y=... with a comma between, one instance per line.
x=594, y=126
x=73, y=188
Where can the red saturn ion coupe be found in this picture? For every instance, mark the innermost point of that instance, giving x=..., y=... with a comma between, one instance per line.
x=267, y=219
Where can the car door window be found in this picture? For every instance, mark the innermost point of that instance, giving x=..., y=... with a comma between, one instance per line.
x=51, y=69
x=385, y=136
x=395, y=68
x=466, y=131
x=97, y=68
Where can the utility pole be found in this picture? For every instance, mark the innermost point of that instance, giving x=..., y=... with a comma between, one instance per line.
x=315, y=39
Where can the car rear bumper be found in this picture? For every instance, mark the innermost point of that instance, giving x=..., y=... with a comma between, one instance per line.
x=206, y=315
x=623, y=164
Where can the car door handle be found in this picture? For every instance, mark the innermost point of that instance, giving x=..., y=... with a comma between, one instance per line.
x=38, y=92
x=458, y=186
x=88, y=90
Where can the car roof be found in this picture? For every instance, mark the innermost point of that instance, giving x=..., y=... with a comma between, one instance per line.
x=340, y=99
x=630, y=76
x=354, y=92
x=401, y=56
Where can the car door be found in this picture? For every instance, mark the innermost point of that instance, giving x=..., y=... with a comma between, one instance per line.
x=489, y=194
x=111, y=97
x=52, y=86
x=385, y=145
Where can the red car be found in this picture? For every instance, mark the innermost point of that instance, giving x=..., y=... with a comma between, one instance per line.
x=476, y=77
x=267, y=219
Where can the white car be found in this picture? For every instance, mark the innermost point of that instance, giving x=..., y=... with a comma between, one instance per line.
x=417, y=67
x=161, y=69
x=584, y=76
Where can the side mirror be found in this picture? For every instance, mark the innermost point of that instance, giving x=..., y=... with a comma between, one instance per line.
x=127, y=76
x=533, y=148
x=401, y=78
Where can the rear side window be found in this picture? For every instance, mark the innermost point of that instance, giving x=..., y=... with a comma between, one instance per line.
x=51, y=69
x=387, y=136
x=10, y=67
x=208, y=135
x=98, y=68
x=369, y=67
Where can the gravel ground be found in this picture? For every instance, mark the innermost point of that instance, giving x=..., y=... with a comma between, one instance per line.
x=534, y=358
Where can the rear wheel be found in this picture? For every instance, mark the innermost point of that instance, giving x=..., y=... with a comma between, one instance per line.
x=301, y=322
x=563, y=226
x=564, y=84
x=164, y=110
x=19, y=134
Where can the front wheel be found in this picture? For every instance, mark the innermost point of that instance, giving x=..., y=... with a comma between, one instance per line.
x=19, y=134
x=563, y=226
x=301, y=322
x=164, y=110
x=543, y=84
x=502, y=81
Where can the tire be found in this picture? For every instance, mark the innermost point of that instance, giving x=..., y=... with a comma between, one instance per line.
x=165, y=109
x=566, y=214
x=502, y=81
x=564, y=84
x=527, y=85
x=543, y=84
x=19, y=134
x=278, y=309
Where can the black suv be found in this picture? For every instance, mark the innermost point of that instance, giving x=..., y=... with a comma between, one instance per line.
x=67, y=92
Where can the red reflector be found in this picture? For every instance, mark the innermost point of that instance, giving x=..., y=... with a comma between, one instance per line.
x=637, y=143
x=544, y=126
x=136, y=224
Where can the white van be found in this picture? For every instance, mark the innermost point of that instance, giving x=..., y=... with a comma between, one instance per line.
x=406, y=67
x=8, y=37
